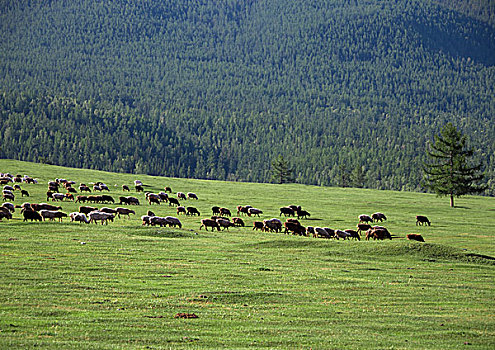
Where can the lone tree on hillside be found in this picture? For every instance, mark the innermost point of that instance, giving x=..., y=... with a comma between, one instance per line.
x=450, y=172
x=281, y=173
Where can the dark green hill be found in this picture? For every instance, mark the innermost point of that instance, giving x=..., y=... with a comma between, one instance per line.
x=218, y=89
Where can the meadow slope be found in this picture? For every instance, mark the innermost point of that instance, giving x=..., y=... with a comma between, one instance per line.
x=67, y=285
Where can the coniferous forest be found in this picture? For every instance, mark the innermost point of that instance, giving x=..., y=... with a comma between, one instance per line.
x=348, y=92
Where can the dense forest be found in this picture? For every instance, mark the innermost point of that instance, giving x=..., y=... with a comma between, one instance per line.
x=349, y=92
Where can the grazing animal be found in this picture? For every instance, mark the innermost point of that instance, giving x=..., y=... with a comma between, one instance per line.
x=81, y=199
x=129, y=200
x=168, y=189
x=96, y=216
x=150, y=213
x=192, y=211
x=286, y=211
x=243, y=209
x=225, y=212
x=163, y=196
x=126, y=188
x=415, y=237
x=363, y=227
x=215, y=210
x=57, y=196
x=378, y=233
x=302, y=214
x=272, y=225
x=106, y=198
x=9, y=206
x=108, y=210
x=8, y=197
x=8, y=188
x=45, y=206
x=124, y=211
x=87, y=210
x=80, y=217
x=153, y=198
x=31, y=215
x=378, y=217
x=181, y=209
x=353, y=234
x=209, y=223
x=158, y=221
x=365, y=218
x=71, y=190
x=84, y=188
x=294, y=228
x=181, y=195
x=191, y=195
x=173, y=201
x=5, y=213
x=422, y=220
x=139, y=188
x=310, y=230
x=225, y=223
x=258, y=225
x=173, y=221
x=238, y=222
x=146, y=220
x=52, y=215
x=341, y=234
x=254, y=211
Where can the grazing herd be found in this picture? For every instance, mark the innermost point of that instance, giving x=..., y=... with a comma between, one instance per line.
x=221, y=218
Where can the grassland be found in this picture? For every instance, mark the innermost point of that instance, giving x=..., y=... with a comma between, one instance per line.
x=67, y=285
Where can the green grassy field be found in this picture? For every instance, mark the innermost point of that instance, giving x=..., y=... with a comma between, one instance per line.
x=67, y=285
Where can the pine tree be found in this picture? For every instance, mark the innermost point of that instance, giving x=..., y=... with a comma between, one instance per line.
x=281, y=173
x=450, y=172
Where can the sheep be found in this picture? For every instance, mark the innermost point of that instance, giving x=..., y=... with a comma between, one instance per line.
x=139, y=188
x=108, y=210
x=57, y=196
x=125, y=188
x=181, y=195
x=17, y=187
x=5, y=213
x=80, y=217
x=225, y=212
x=173, y=201
x=81, y=199
x=71, y=190
x=415, y=237
x=163, y=196
x=243, y=209
x=272, y=225
x=8, y=197
x=181, y=209
x=124, y=211
x=96, y=188
x=158, y=220
x=363, y=227
x=45, y=206
x=192, y=195
x=31, y=215
x=254, y=211
x=365, y=218
x=173, y=221
x=378, y=232
x=225, y=223
x=84, y=189
x=192, y=211
x=104, y=187
x=9, y=206
x=215, y=210
x=310, y=230
x=153, y=198
x=258, y=225
x=238, y=222
x=146, y=219
x=353, y=234
x=150, y=213
x=303, y=214
x=341, y=234
x=323, y=232
x=8, y=188
x=138, y=183
x=420, y=220
x=52, y=215
x=129, y=200
x=286, y=211
x=378, y=217
x=87, y=210
x=209, y=223
x=168, y=189
x=294, y=228
x=96, y=216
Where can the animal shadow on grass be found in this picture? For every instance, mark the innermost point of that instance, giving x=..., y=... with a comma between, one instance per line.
x=461, y=207
x=313, y=219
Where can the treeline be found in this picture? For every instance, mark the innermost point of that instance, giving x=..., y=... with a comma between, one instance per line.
x=348, y=92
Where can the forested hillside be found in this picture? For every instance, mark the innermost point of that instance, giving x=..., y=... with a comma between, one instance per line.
x=218, y=89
